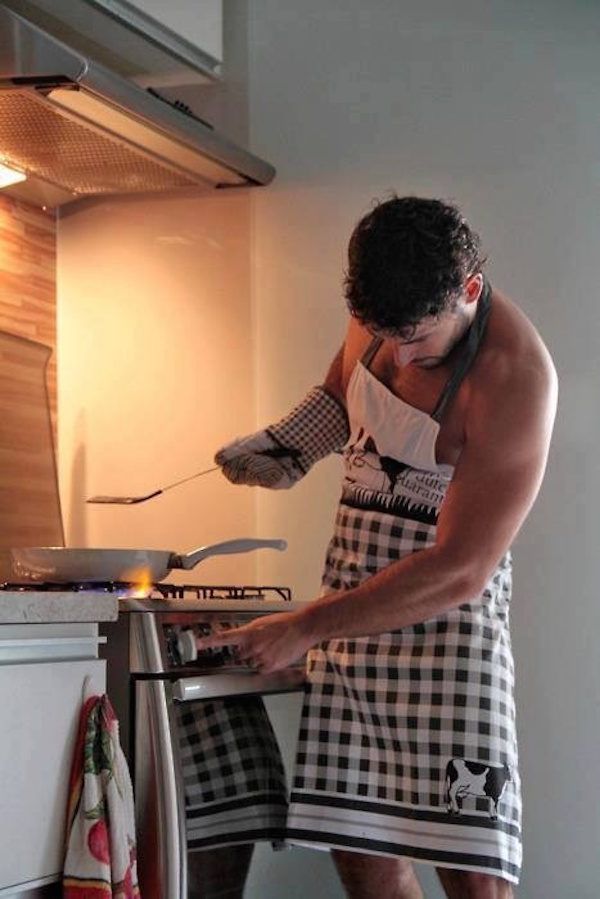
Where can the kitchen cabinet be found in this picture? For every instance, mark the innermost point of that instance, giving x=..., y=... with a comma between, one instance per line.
x=43, y=671
x=200, y=24
x=153, y=43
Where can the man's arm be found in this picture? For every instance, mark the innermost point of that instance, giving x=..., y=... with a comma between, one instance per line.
x=508, y=427
x=340, y=371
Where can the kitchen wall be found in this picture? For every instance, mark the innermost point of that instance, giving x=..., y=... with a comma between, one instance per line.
x=28, y=278
x=494, y=105
x=156, y=363
x=155, y=373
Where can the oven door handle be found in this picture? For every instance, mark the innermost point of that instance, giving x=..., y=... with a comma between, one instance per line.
x=238, y=683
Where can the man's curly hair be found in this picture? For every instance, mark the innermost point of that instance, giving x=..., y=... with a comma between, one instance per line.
x=407, y=259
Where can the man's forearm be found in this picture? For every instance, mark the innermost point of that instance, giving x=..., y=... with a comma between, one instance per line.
x=422, y=586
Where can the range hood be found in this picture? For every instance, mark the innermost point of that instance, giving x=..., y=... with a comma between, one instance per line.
x=77, y=129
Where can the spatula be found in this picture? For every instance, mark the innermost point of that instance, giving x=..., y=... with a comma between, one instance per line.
x=132, y=500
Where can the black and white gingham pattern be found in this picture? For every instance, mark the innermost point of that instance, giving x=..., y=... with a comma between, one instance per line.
x=363, y=538
x=384, y=715
x=234, y=779
x=317, y=426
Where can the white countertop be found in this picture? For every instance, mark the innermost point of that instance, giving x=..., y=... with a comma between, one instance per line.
x=47, y=607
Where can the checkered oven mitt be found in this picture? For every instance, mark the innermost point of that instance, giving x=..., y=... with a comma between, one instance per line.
x=281, y=454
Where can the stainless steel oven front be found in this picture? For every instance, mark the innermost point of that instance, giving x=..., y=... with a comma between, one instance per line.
x=203, y=756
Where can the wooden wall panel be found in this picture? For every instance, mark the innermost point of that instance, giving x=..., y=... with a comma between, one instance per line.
x=28, y=279
x=29, y=504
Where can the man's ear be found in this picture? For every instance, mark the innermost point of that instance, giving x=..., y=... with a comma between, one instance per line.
x=473, y=288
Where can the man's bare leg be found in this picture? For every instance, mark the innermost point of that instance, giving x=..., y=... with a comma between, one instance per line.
x=375, y=876
x=471, y=885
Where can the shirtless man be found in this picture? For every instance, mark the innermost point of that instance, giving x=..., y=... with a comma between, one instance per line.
x=443, y=397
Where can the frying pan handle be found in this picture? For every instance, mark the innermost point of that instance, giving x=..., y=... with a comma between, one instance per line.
x=244, y=545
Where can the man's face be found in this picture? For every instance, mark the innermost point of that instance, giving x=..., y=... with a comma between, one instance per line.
x=434, y=337
x=432, y=340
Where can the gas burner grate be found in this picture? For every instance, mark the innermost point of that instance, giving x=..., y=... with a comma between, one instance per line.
x=158, y=591
x=196, y=591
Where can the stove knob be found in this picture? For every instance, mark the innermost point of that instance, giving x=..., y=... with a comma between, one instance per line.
x=186, y=644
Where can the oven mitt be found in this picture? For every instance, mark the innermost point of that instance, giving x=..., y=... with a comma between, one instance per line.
x=281, y=454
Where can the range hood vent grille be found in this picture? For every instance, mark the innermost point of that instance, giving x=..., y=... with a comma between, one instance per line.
x=40, y=140
x=76, y=128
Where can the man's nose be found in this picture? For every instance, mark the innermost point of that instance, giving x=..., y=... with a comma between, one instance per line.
x=403, y=353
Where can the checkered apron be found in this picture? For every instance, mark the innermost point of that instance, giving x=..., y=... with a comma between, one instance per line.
x=407, y=742
x=234, y=779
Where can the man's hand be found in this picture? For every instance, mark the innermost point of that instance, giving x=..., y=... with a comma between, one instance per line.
x=280, y=455
x=268, y=643
x=259, y=461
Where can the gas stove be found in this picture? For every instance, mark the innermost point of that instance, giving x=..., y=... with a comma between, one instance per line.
x=157, y=678
x=158, y=626
x=160, y=596
x=155, y=591
x=197, y=598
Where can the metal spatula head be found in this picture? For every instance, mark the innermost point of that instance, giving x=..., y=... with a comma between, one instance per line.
x=123, y=500
x=132, y=500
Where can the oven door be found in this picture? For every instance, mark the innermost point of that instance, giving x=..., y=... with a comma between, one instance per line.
x=175, y=722
x=158, y=787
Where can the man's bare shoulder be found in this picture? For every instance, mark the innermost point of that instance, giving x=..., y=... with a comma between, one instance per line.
x=513, y=356
x=357, y=341
x=509, y=415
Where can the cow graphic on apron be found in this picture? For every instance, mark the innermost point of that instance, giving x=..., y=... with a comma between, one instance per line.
x=464, y=778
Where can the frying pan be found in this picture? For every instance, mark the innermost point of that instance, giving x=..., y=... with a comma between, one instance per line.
x=56, y=565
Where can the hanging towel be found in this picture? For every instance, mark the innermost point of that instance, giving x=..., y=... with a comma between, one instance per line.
x=100, y=857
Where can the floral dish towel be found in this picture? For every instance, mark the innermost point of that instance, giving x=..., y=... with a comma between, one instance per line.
x=100, y=857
